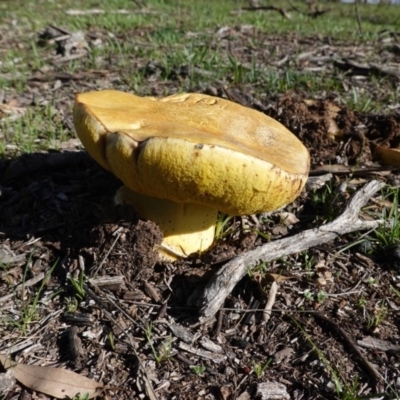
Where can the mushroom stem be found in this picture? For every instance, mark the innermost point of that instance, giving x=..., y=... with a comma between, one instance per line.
x=187, y=228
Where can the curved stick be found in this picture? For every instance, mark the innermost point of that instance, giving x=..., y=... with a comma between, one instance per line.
x=231, y=273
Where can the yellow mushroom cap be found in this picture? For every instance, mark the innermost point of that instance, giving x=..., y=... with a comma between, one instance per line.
x=193, y=148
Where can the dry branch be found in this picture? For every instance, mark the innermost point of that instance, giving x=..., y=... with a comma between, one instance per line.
x=365, y=364
x=222, y=284
x=271, y=301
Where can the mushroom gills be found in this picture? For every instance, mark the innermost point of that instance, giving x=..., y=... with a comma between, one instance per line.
x=187, y=228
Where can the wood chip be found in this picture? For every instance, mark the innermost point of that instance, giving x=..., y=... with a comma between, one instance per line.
x=75, y=345
x=182, y=333
x=8, y=257
x=217, y=358
x=7, y=381
x=152, y=292
x=79, y=319
x=317, y=182
x=244, y=396
x=271, y=390
x=210, y=345
x=113, y=283
x=271, y=301
x=370, y=342
x=282, y=355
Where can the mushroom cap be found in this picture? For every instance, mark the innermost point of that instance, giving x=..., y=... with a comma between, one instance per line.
x=193, y=148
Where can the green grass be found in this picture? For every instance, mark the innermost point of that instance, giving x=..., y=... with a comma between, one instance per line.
x=77, y=285
x=173, y=18
x=198, y=369
x=388, y=233
x=40, y=128
x=28, y=310
x=333, y=373
x=181, y=39
x=327, y=204
x=167, y=24
x=384, y=235
x=164, y=351
x=223, y=226
x=81, y=397
x=259, y=368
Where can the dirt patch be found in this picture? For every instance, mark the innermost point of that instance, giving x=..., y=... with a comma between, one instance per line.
x=66, y=216
x=335, y=134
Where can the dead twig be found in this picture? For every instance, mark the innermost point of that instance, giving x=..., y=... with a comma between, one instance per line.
x=222, y=284
x=364, y=363
x=271, y=301
x=338, y=169
x=366, y=68
x=218, y=328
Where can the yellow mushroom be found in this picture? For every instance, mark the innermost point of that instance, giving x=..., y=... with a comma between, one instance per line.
x=185, y=157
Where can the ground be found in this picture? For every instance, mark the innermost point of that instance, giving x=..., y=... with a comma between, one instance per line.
x=80, y=284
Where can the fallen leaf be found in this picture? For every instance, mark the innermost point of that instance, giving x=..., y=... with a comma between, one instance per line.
x=387, y=156
x=288, y=218
x=279, y=230
x=57, y=382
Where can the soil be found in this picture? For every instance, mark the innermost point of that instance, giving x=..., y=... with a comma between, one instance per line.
x=57, y=210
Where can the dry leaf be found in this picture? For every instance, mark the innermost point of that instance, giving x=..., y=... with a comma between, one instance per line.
x=387, y=156
x=279, y=230
x=57, y=382
x=288, y=218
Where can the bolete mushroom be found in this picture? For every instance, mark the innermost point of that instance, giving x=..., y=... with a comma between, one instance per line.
x=185, y=157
